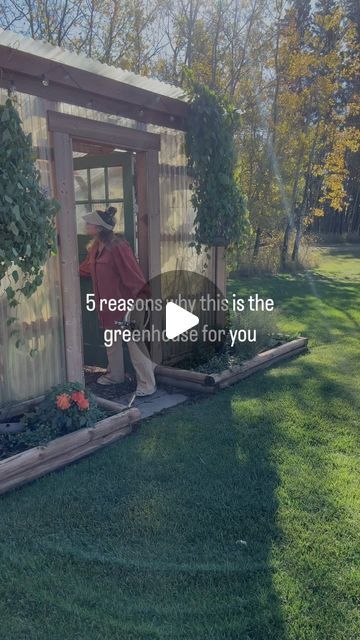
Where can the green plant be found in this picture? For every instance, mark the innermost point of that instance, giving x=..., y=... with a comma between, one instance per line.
x=66, y=408
x=217, y=199
x=265, y=323
x=27, y=227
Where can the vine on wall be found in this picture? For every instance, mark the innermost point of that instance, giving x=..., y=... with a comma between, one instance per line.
x=219, y=204
x=27, y=215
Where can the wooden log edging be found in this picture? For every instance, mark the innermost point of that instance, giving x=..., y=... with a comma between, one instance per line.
x=205, y=379
x=197, y=387
x=109, y=405
x=210, y=383
x=13, y=410
x=261, y=361
x=36, y=462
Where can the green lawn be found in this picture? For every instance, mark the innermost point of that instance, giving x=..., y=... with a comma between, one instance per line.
x=232, y=518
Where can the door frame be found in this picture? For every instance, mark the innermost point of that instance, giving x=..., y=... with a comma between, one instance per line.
x=63, y=128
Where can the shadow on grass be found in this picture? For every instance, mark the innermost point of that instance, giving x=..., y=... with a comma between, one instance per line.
x=170, y=534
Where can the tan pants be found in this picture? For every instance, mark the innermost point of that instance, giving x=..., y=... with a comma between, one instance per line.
x=140, y=359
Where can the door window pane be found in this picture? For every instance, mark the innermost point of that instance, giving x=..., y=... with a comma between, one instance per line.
x=97, y=179
x=115, y=182
x=81, y=209
x=81, y=184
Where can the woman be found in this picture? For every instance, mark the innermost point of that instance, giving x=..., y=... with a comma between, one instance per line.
x=116, y=274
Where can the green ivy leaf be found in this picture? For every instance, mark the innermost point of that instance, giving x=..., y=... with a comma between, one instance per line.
x=27, y=215
x=16, y=212
x=14, y=229
x=10, y=293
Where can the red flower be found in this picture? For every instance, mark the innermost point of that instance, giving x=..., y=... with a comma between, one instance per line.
x=63, y=401
x=80, y=399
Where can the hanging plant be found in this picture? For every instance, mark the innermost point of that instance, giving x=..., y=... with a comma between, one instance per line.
x=210, y=148
x=27, y=229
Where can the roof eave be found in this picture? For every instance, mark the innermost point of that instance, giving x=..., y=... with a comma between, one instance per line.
x=56, y=81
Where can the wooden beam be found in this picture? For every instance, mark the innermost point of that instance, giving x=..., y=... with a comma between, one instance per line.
x=93, y=130
x=71, y=76
x=83, y=88
x=69, y=261
x=112, y=159
x=92, y=149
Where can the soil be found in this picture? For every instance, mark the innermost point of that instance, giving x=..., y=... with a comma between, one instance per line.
x=110, y=392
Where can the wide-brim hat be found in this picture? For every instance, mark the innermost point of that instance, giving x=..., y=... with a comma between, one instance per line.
x=95, y=218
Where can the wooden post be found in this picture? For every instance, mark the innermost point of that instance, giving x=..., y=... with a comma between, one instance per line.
x=69, y=261
x=153, y=198
x=148, y=200
x=142, y=215
x=220, y=276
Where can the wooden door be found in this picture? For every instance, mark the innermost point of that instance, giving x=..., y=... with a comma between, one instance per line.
x=101, y=181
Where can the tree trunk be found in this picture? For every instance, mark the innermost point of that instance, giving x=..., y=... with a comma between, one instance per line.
x=297, y=242
x=257, y=243
x=285, y=247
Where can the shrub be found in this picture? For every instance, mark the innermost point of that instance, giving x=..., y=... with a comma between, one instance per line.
x=267, y=336
x=267, y=261
x=66, y=408
x=265, y=323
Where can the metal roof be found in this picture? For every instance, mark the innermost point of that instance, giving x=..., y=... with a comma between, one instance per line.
x=62, y=56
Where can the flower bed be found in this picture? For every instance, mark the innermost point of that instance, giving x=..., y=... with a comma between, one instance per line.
x=65, y=426
x=64, y=409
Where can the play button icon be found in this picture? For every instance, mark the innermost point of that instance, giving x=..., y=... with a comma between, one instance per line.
x=178, y=320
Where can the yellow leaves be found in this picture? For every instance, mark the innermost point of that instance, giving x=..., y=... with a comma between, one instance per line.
x=330, y=21
x=334, y=168
x=318, y=213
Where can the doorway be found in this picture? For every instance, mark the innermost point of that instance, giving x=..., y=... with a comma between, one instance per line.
x=101, y=180
x=71, y=134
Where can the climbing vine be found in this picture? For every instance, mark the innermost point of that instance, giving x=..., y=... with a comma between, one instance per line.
x=210, y=148
x=27, y=229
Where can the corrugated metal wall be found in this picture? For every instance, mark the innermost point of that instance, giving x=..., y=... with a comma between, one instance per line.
x=39, y=318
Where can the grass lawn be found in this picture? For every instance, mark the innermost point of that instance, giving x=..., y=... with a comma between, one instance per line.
x=231, y=518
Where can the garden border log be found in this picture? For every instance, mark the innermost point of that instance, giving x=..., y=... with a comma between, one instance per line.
x=195, y=381
x=184, y=374
x=196, y=387
x=110, y=405
x=13, y=410
x=261, y=361
x=33, y=463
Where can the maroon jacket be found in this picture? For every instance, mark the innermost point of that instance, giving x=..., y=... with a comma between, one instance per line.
x=115, y=273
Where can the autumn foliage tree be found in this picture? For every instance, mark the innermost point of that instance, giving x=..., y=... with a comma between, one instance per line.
x=290, y=68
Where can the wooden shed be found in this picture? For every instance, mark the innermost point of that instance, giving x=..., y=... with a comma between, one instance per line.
x=102, y=136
